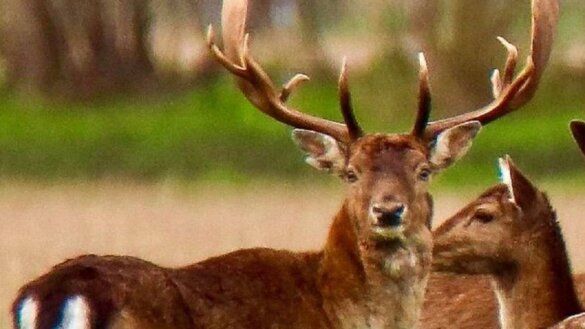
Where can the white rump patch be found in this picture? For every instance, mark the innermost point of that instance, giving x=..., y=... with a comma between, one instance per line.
x=506, y=177
x=75, y=314
x=27, y=314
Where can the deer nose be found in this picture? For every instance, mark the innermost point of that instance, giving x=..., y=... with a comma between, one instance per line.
x=388, y=215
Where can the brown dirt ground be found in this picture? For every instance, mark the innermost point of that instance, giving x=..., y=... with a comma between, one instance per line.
x=172, y=225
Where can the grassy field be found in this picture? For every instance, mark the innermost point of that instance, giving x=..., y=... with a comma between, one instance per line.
x=173, y=225
x=211, y=134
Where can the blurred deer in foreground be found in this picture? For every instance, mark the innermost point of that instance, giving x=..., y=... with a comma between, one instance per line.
x=511, y=233
x=374, y=266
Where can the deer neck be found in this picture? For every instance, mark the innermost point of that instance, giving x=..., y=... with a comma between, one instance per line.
x=375, y=287
x=538, y=291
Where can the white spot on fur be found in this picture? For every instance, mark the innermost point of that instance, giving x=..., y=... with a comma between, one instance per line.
x=27, y=313
x=75, y=314
x=506, y=177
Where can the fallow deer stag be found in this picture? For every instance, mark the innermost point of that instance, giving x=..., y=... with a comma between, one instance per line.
x=373, y=268
x=511, y=233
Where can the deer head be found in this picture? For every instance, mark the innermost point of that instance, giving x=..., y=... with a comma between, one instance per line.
x=497, y=231
x=388, y=174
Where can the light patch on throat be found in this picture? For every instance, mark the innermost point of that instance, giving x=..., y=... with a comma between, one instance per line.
x=502, y=310
x=75, y=314
x=27, y=313
x=506, y=177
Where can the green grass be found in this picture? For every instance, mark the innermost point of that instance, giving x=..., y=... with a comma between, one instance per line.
x=212, y=133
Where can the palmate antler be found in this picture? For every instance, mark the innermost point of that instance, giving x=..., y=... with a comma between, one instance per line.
x=509, y=93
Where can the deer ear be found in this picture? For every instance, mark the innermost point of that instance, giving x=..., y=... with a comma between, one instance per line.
x=522, y=192
x=578, y=130
x=452, y=144
x=323, y=151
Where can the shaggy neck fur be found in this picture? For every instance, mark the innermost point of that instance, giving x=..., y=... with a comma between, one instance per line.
x=538, y=291
x=372, y=286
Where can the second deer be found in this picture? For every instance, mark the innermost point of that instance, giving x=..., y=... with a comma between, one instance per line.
x=511, y=233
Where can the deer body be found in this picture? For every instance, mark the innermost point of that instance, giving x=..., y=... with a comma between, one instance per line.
x=510, y=233
x=365, y=276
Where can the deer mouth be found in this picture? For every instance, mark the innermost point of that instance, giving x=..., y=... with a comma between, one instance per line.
x=387, y=221
x=383, y=232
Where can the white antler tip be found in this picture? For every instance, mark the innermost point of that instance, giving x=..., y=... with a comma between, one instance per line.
x=344, y=64
x=343, y=73
x=422, y=62
x=302, y=77
x=507, y=44
x=210, y=34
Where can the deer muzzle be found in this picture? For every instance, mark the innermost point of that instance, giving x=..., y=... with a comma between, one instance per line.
x=388, y=220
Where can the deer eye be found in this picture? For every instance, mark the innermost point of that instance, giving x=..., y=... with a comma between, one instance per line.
x=424, y=174
x=351, y=176
x=483, y=217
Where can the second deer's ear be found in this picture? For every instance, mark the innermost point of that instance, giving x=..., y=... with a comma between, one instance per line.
x=578, y=130
x=450, y=145
x=323, y=151
x=522, y=192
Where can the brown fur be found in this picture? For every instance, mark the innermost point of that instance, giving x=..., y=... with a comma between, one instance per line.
x=359, y=279
x=520, y=247
x=468, y=302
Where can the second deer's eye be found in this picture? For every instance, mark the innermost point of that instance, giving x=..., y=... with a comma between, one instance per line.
x=424, y=174
x=351, y=176
x=483, y=217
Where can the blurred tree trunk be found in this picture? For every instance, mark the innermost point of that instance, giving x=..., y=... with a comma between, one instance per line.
x=259, y=15
x=177, y=36
x=77, y=48
x=31, y=44
x=313, y=16
x=458, y=38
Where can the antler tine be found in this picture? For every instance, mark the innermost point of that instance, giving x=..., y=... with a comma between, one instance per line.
x=424, y=98
x=511, y=61
x=496, y=81
x=291, y=85
x=497, y=84
x=514, y=92
x=353, y=127
x=578, y=131
x=255, y=84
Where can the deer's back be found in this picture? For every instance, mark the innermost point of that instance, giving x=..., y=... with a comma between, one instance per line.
x=254, y=288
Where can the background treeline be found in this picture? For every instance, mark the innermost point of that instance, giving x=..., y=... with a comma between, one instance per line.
x=105, y=88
